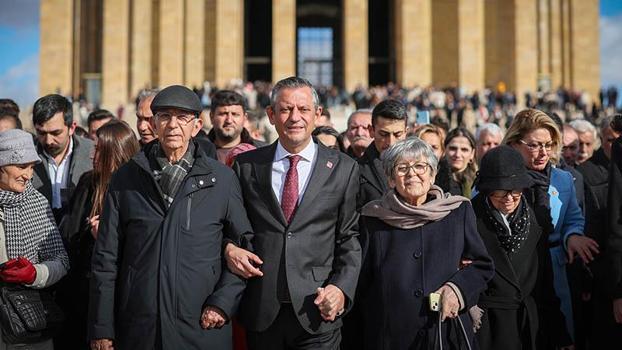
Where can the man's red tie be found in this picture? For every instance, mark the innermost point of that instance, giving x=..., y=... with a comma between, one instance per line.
x=289, y=199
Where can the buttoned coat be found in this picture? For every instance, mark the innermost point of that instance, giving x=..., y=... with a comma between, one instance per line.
x=318, y=247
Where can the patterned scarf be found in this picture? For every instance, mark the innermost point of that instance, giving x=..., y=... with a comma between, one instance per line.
x=538, y=197
x=519, y=222
x=171, y=175
x=395, y=212
x=30, y=228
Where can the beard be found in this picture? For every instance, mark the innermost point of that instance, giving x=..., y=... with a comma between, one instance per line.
x=227, y=136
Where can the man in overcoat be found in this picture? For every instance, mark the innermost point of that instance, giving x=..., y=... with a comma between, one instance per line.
x=158, y=279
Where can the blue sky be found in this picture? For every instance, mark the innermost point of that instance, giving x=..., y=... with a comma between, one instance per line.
x=19, y=38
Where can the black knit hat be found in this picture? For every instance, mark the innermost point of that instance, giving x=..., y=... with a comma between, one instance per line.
x=179, y=97
x=502, y=168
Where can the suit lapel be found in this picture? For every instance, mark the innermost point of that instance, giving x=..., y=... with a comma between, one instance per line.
x=324, y=165
x=263, y=172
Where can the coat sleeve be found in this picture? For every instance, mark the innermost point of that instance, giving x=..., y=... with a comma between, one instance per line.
x=347, y=254
x=574, y=221
x=239, y=238
x=473, y=279
x=228, y=291
x=104, y=271
x=614, y=242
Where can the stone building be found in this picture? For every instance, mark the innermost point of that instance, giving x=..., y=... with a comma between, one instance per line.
x=109, y=49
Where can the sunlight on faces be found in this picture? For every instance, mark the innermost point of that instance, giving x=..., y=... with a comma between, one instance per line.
x=172, y=133
x=95, y=125
x=228, y=121
x=412, y=186
x=387, y=132
x=54, y=135
x=505, y=201
x=535, y=159
x=144, y=124
x=7, y=124
x=459, y=153
x=586, y=146
x=293, y=117
x=14, y=178
x=434, y=141
x=570, y=149
x=486, y=142
x=358, y=132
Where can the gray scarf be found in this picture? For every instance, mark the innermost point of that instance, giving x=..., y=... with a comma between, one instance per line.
x=171, y=175
x=30, y=228
x=395, y=212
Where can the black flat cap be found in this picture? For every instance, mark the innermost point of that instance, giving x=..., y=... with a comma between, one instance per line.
x=177, y=96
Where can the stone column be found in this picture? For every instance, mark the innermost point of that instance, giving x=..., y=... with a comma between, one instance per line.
x=194, y=53
x=556, y=43
x=210, y=40
x=526, y=49
x=565, y=46
x=355, y=44
x=445, y=52
x=544, y=59
x=116, y=60
x=56, y=51
x=229, y=60
x=171, y=62
x=283, y=39
x=470, y=57
x=584, y=47
x=413, y=42
x=142, y=35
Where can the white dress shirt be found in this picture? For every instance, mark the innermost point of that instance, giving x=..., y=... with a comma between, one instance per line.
x=59, y=175
x=280, y=166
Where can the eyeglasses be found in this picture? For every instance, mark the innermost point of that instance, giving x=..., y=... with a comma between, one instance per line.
x=182, y=119
x=418, y=168
x=499, y=194
x=536, y=146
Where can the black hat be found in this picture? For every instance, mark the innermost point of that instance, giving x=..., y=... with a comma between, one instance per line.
x=177, y=96
x=503, y=168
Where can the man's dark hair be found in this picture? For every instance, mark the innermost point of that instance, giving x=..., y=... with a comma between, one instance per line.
x=557, y=119
x=389, y=109
x=47, y=106
x=10, y=110
x=325, y=113
x=99, y=114
x=616, y=123
x=224, y=98
x=327, y=130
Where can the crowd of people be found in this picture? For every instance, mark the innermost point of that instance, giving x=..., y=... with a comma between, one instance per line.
x=501, y=231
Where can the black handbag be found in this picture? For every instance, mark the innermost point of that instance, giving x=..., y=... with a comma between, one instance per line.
x=28, y=315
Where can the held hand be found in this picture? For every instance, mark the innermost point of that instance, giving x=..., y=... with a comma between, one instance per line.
x=212, y=317
x=450, y=305
x=242, y=262
x=102, y=344
x=585, y=247
x=19, y=270
x=94, y=223
x=617, y=310
x=464, y=262
x=331, y=302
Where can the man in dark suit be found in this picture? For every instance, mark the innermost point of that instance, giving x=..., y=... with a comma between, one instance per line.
x=64, y=155
x=301, y=200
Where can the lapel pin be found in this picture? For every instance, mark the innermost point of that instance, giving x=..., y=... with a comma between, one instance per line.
x=329, y=164
x=555, y=193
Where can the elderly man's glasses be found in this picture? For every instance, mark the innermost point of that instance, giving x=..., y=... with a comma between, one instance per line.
x=500, y=194
x=536, y=146
x=182, y=119
x=418, y=168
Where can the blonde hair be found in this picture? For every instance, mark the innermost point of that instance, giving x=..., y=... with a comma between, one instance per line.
x=529, y=120
x=433, y=129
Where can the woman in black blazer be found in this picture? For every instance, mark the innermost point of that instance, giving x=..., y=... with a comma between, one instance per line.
x=521, y=310
x=414, y=240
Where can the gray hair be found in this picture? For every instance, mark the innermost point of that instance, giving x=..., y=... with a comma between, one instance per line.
x=144, y=93
x=358, y=111
x=411, y=147
x=491, y=128
x=293, y=83
x=605, y=123
x=582, y=126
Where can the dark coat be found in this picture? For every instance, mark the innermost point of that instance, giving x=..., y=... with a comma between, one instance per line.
x=445, y=180
x=402, y=267
x=318, y=247
x=374, y=182
x=614, y=204
x=595, y=173
x=523, y=284
x=155, y=269
x=80, y=163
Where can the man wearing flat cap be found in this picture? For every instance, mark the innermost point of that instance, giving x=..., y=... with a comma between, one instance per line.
x=158, y=279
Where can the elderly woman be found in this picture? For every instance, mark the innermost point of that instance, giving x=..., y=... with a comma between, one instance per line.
x=536, y=137
x=30, y=245
x=523, y=273
x=414, y=240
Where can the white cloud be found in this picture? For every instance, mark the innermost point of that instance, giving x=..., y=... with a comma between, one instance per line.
x=20, y=82
x=611, y=50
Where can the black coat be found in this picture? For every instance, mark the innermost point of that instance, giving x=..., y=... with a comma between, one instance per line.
x=523, y=284
x=614, y=243
x=318, y=247
x=595, y=173
x=402, y=267
x=374, y=182
x=155, y=269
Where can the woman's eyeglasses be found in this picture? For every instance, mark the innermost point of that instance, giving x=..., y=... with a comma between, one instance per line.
x=537, y=146
x=418, y=168
x=500, y=194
